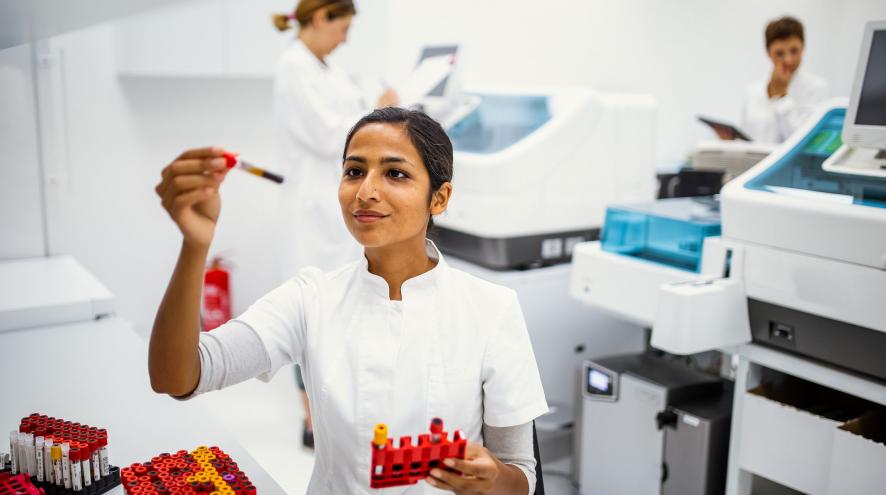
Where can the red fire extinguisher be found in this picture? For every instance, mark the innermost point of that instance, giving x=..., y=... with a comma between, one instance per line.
x=216, y=295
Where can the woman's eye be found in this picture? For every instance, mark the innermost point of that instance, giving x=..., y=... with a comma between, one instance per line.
x=353, y=172
x=397, y=174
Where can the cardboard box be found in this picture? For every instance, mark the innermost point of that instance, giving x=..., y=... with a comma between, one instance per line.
x=785, y=443
x=858, y=462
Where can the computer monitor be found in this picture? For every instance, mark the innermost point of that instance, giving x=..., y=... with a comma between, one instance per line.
x=865, y=124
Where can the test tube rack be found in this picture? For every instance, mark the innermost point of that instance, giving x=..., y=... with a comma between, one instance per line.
x=408, y=463
x=203, y=470
x=89, y=440
x=18, y=484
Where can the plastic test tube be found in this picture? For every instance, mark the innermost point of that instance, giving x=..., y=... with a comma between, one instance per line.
x=56, y=454
x=76, y=482
x=103, y=454
x=38, y=452
x=232, y=160
x=47, y=460
x=94, y=460
x=13, y=450
x=66, y=465
x=85, y=455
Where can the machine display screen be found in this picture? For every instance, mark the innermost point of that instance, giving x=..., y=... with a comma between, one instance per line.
x=599, y=383
x=872, y=100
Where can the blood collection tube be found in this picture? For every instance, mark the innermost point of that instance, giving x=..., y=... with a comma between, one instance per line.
x=232, y=160
x=95, y=458
x=66, y=465
x=13, y=451
x=47, y=460
x=56, y=455
x=38, y=453
x=76, y=477
x=85, y=455
x=103, y=454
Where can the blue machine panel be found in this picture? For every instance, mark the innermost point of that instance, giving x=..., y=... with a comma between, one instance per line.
x=498, y=122
x=667, y=231
x=799, y=170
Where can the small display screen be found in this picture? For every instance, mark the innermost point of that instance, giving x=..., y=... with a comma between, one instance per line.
x=599, y=383
x=872, y=100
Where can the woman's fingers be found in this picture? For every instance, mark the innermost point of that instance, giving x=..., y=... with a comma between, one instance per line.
x=207, y=152
x=185, y=200
x=438, y=483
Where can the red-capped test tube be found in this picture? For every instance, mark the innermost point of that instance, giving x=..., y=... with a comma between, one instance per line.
x=232, y=160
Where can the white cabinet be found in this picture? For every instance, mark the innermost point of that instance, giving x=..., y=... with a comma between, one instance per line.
x=203, y=38
x=186, y=39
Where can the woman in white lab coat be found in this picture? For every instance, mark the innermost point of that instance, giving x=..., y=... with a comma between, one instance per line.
x=395, y=337
x=315, y=103
x=777, y=106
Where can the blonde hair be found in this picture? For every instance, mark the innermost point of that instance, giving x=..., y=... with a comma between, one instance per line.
x=305, y=10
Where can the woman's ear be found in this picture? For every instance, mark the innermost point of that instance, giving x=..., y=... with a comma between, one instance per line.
x=440, y=198
x=320, y=17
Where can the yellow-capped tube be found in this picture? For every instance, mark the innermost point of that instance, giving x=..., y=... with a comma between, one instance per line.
x=381, y=436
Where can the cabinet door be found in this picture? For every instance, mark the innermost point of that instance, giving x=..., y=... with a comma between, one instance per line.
x=187, y=39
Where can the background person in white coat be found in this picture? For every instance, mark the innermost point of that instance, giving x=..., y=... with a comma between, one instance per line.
x=315, y=104
x=777, y=106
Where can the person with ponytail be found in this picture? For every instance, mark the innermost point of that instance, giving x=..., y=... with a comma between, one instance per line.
x=315, y=104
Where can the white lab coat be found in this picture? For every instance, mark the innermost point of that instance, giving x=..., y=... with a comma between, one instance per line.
x=314, y=107
x=773, y=120
x=456, y=347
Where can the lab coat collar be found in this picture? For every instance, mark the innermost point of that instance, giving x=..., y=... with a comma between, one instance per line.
x=428, y=280
x=300, y=46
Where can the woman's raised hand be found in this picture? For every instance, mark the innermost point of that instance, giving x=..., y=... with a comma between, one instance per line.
x=189, y=193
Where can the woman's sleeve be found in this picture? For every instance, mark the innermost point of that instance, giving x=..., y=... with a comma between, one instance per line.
x=310, y=117
x=793, y=110
x=268, y=335
x=513, y=445
x=512, y=390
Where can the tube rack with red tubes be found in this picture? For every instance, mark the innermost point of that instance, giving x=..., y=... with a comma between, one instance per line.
x=203, y=470
x=18, y=484
x=62, y=457
x=407, y=464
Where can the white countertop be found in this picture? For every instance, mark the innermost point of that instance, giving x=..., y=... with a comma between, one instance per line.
x=96, y=373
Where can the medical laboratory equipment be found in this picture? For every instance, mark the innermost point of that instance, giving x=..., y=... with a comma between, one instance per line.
x=863, y=150
x=652, y=425
x=408, y=464
x=232, y=160
x=667, y=250
x=535, y=169
x=63, y=457
x=202, y=470
x=733, y=158
x=809, y=247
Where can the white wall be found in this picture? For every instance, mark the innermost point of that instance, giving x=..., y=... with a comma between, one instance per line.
x=694, y=56
x=21, y=207
x=120, y=133
x=106, y=137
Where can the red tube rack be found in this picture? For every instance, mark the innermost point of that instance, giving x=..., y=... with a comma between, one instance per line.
x=407, y=464
x=18, y=484
x=203, y=470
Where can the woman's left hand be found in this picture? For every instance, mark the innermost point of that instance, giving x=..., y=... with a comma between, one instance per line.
x=479, y=472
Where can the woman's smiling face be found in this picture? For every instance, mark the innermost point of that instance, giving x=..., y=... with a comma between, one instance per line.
x=385, y=190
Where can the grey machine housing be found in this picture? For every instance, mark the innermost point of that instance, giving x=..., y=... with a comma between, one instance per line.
x=650, y=424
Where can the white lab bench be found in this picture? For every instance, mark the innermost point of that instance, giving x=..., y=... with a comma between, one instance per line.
x=799, y=448
x=96, y=373
x=64, y=354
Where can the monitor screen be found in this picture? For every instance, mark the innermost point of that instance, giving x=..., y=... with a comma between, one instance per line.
x=872, y=98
